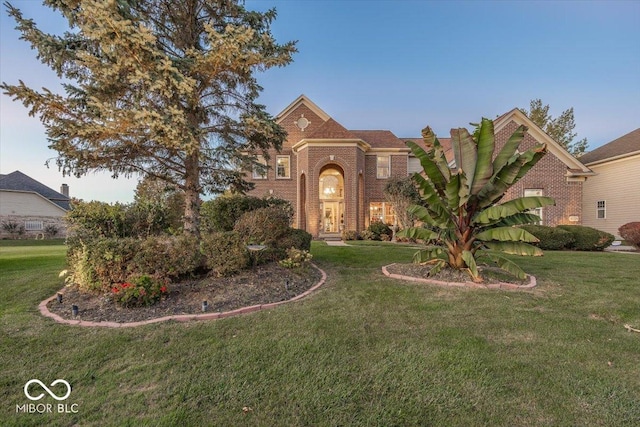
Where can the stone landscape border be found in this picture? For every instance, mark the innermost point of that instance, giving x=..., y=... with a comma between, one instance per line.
x=500, y=285
x=178, y=317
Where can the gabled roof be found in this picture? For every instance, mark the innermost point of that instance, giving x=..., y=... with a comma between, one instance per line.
x=302, y=99
x=626, y=145
x=17, y=181
x=574, y=166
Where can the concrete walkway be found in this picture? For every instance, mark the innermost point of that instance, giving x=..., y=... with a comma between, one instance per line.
x=336, y=243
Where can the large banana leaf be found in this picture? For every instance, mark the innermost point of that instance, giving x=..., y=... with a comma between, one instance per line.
x=417, y=233
x=434, y=201
x=435, y=151
x=465, y=152
x=457, y=191
x=430, y=168
x=509, y=149
x=471, y=264
x=514, y=248
x=504, y=263
x=484, y=165
x=498, y=212
x=430, y=254
x=516, y=219
x=509, y=175
x=507, y=234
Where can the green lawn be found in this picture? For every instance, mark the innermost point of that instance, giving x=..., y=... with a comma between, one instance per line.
x=364, y=350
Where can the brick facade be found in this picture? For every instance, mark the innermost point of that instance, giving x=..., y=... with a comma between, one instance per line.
x=317, y=144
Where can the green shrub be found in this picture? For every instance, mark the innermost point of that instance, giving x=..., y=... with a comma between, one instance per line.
x=225, y=253
x=222, y=213
x=168, y=256
x=296, y=258
x=587, y=238
x=350, y=235
x=295, y=238
x=367, y=235
x=551, y=238
x=98, y=220
x=98, y=263
x=379, y=228
x=631, y=233
x=264, y=226
x=142, y=290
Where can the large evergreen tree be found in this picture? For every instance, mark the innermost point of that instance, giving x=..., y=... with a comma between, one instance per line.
x=559, y=128
x=159, y=88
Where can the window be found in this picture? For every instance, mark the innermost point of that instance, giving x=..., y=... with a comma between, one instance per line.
x=381, y=212
x=533, y=192
x=260, y=172
x=383, y=166
x=283, y=167
x=601, y=209
x=33, y=225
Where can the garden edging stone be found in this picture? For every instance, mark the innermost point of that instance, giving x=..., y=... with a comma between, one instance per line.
x=180, y=317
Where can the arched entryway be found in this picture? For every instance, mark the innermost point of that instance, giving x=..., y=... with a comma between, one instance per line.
x=331, y=195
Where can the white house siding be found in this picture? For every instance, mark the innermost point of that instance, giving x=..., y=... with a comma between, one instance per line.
x=20, y=207
x=618, y=185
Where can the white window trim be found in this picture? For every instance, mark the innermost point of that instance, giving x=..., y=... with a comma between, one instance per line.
x=288, y=166
x=602, y=209
x=254, y=173
x=536, y=211
x=378, y=166
x=33, y=225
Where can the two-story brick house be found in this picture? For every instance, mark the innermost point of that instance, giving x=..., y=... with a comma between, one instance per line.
x=335, y=177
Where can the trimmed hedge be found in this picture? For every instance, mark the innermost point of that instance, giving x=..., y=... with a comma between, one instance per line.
x=264, y=226
x=631, y=233
x=225, y=253
x=551, y=238
x=378, y=229
x=587, y=238
x=100, y=263
x=222, y=213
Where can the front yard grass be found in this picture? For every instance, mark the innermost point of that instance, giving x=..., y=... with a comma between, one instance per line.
x=364, y=350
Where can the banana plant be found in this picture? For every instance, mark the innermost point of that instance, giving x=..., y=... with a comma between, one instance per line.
x=461, y=210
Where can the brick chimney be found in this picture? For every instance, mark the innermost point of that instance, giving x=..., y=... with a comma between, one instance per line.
x=64, y=189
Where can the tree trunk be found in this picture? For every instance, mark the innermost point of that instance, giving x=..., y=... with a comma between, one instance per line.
x=192, y=196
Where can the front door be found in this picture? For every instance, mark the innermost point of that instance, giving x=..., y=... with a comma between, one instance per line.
x=332, y=216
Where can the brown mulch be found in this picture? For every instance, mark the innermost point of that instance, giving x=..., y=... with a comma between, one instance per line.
x=490, y=275
x=261, y=285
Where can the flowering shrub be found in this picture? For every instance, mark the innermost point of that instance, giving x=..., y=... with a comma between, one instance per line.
x=142, y=291
x=631, y=233
x=296, y=258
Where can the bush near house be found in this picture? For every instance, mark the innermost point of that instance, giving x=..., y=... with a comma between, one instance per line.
x=225, y=253
x=631, y=233
x=222, y=213
x=108, y=246
x=379, y=229
x=350, y=235
x=551, y=238
x=587, y=238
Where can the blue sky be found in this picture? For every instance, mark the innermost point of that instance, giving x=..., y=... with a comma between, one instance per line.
x=397, y=65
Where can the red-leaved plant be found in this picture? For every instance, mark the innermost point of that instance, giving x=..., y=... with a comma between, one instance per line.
x=142, y=290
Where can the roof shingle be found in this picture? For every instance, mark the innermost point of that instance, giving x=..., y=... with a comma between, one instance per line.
x=626, y=144
x=17, y=181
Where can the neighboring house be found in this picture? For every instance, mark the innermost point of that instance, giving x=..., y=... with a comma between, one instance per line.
x=612, y=197
x=335, y=177
x=32, y=205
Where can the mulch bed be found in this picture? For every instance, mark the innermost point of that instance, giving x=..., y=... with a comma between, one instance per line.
x=490, y=275
x=261, y=285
